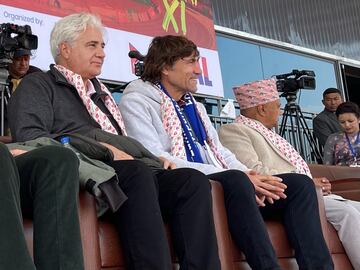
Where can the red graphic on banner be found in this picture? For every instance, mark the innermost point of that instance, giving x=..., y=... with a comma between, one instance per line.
x=133, y=60
x=192, y=18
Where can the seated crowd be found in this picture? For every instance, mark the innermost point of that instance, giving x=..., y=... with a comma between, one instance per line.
x=156, y=151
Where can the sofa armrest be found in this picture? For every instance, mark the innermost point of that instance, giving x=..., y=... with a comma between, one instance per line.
x=89, y=231
x=323, y=220
x=345, y=181
x=221, y=226
x=334, y=172
x=348, y=188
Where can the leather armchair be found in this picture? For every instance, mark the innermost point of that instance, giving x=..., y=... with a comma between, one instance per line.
x=110, y=248
x=284, y=251
x=345, y=181
x=89, y=232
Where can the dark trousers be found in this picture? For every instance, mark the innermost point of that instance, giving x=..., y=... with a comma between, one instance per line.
x=47, y=179
x=299, y=213
x=180, y=197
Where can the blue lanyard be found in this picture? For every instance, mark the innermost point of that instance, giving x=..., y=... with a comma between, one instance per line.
x=350, y=145
x=194, y=119
x=192, y=151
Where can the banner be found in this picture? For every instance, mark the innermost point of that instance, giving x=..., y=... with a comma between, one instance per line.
x=130, y=24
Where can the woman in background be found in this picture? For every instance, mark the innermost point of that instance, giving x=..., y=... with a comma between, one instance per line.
x=343, y=148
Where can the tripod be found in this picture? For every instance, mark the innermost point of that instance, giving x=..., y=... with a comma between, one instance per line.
x=4, y=95
x=298, y=127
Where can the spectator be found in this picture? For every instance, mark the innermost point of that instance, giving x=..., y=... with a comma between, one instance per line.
x=44, y=183
x=325, y=123
x=70, y=99
x=160, y=111
x=264, y=151
x=343, y=148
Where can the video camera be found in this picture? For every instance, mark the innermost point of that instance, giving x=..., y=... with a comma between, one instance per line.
x=139, y=64
x=13, y=37
x=295, y=80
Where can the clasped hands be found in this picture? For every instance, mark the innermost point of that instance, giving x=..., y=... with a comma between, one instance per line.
x=267, y=187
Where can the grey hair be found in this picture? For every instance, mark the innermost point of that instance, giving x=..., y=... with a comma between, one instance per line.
x=70, y=27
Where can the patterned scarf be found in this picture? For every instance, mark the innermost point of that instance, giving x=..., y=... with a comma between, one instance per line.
x=279, y=142
x=85, y=92
x=172, y=126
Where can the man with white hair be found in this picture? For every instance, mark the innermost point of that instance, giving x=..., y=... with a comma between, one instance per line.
x=70, y=99
x=253, y=142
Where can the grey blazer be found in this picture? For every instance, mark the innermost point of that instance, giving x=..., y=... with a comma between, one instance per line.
x=324, y=124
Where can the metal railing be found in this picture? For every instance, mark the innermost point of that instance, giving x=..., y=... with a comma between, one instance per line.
x=214, y=105
x=294, y=135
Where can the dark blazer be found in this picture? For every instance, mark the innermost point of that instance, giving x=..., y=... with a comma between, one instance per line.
x=46, y=105
x=324, y=124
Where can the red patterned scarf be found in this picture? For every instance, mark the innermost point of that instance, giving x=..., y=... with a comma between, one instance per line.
x=279, y=142
x=85, y=91
x=172, y=126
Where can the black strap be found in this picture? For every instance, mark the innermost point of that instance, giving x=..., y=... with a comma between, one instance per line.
x=97, y=98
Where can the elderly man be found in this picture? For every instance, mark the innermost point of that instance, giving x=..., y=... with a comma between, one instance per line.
x=42, y=185
x=70, y=99
x=326, y=123
x=264, y=151
x=160, y=111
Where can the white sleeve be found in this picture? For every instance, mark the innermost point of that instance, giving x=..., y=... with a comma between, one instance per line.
x=229, y=157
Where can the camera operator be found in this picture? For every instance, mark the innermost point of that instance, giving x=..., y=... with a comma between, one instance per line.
x=20, y=67
x=15, y=51
x=326, y=122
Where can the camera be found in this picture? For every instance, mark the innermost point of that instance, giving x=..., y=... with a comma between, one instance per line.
x=139, y=64
x=13, y=37
x=295, y=80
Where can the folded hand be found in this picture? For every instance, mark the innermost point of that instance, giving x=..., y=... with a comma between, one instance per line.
x=167, y=164
x=324, y=183
x=267, y=186
x=17, y=152
x=118, y=154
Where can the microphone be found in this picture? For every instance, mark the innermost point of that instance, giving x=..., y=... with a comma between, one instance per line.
x=136, y=55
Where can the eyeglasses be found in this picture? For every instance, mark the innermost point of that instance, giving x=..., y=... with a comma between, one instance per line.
x=191, y=60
